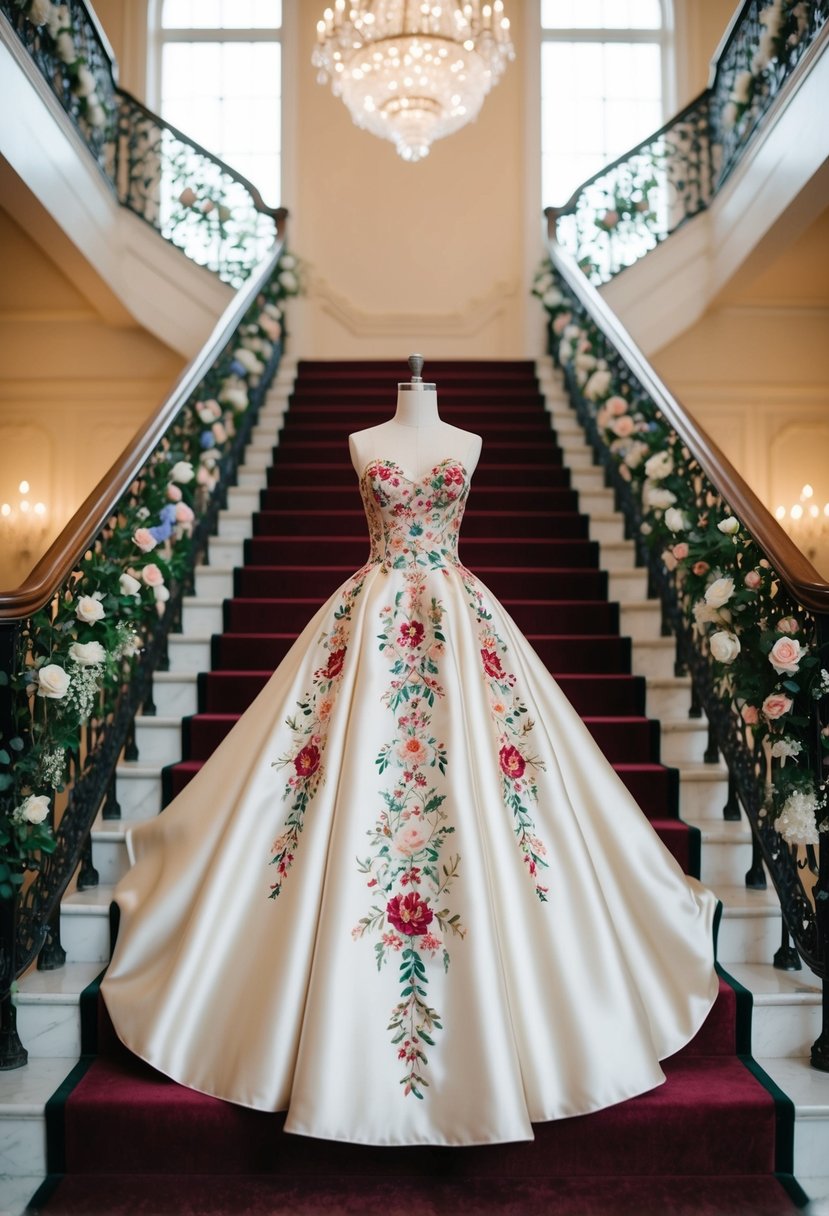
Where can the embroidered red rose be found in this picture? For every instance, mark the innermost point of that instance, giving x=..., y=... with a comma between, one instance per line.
x=411, y=634
x=453, y=476
x=335, y=664
x=409, y=914
x=512, y=762
x=307, y=761
x=492, y=664
x=383, y=473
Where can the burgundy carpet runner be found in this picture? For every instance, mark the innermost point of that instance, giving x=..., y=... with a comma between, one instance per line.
x=713, y=1141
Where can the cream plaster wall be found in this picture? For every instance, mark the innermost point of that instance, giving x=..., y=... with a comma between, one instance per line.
x=755, y=372
x=75, y=385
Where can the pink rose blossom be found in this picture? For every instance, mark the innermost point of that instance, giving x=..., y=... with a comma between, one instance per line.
x=788, y=624
x=144, y=539
x=750, y=715
x=753, y=580
x=152, y=576
x=776, y=705
x=623, y=426
x=616, y=405
x=785, y=655
x=700, y=568
x=680, y=551
x=173, y=492
x=184, y=514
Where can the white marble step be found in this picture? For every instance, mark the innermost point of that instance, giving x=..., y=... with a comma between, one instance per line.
x=175, y=693
x=189, y=651
x=725, y=853
x=23, y=1096
x=627, y=586
x=48, y=1009
x=667, y=697
x=607, y=527
x=683, y=740
x=598, y=501
x=158, y=740
x=84, y=925
x=214, y=582
x=109, y=849
x=786, y=1018
x=588, y=478
x=242, y=501
x=15, y=1193
x=251, y=479
x=703, y=791
x=236, y=525
x=639, y=619
x=654, y=657
x=750, y=926
x=139, y=789
x=809, y=1091
x=200, y=617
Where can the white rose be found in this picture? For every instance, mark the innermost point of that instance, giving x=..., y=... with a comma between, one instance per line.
x=237, y=397
x=40, y=12
x=52, y=682
x=129, y=585
x=288, y=280
x=87, y=654
x=659, y=498
x=161, y=594
x=89, y=609
x=635, y=453
x=58, y=19
x=724, y=646
x=65, y=46
x=659, y=465
x=84, y=82
x=729, y=526
x=182, y=472
x=95, y=113
x=675, y=520
x=552, y=298
x=33, y=809
x=249, y=360
x=287, y=261
x=719, y=592
x=598, y=385
x=704, y=614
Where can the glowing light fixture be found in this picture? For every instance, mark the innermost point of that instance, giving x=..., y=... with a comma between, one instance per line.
x=411, y=71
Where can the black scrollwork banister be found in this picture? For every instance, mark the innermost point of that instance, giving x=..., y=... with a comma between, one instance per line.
x=770, y=585
x=190, y=196
x=620, y=213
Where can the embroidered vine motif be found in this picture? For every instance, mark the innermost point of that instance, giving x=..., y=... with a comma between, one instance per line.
x=514, y=726
x=309, y=728
x=407, y=866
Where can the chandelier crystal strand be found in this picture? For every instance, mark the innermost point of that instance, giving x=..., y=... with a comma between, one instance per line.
x=410, y=71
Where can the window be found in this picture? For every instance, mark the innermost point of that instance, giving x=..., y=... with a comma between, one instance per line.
x=218, y=66
x=603, y=67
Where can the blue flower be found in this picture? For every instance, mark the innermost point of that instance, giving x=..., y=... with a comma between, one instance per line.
x=207, y=440
x=168, y=513
x=238, y=368
x=161, y=532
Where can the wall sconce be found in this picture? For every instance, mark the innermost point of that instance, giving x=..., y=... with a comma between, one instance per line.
x=806, y=523
x=23, y=524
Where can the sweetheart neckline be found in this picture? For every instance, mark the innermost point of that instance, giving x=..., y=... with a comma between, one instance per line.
x=415, y=481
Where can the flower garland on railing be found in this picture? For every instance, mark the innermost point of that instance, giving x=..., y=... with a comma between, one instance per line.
x=784, y=24
x=78, y=651
x=766, y=658
x=54, y=21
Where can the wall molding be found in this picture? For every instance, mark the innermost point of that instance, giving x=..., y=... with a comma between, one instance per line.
x=465, y=322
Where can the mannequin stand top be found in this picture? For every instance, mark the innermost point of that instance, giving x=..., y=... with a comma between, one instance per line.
x=416, y=438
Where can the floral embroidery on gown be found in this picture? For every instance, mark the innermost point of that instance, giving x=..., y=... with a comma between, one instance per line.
x=407, y=900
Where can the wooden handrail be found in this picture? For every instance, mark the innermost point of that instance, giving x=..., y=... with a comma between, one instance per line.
x=63, y=555
x=802, y=580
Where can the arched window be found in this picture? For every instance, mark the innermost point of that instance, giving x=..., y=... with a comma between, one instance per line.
x=604, y=85
x=216, y=73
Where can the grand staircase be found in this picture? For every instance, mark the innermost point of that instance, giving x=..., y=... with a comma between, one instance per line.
x=541, y=531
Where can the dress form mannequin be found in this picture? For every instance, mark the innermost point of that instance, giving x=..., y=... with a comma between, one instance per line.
x=416, y=438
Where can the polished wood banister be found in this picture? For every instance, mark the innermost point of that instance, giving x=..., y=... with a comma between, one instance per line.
x=795, y=570
x=63, y=555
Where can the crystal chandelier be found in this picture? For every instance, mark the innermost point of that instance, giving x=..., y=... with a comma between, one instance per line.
x=412, y=71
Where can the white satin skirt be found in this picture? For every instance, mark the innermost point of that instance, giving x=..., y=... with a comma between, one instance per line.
x=467, y=925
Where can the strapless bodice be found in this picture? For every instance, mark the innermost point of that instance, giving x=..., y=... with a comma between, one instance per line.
x=414, y=522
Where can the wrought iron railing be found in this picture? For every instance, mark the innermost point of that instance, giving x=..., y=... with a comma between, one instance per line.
x=749, y=612
x=81, y=638
x=628, y=207
x=191, y=197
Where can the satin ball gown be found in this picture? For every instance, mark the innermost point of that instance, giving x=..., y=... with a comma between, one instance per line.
x=407, y=900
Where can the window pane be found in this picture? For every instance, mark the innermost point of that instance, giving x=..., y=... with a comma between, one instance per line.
x=191, y=14
x=597, y=14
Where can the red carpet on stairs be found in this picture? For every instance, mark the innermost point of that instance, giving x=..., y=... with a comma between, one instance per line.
x=125, y=1139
